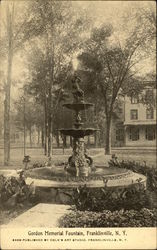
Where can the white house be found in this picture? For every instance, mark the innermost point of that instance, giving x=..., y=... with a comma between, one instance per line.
x=140, y=120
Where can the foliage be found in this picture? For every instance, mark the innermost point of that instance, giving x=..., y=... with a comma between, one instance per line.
x=42, y=164
x=14, y=35
x=122, y=218
x=28, y=112
x=136, y=167
x=37, y=165
x=26, y=159
x=10, y=213
x=133, y=197
x=49, y=58
x=107, y=69
x=146, y=16
x=15, y=191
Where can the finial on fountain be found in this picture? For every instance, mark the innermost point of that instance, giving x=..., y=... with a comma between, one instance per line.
x=78, y=93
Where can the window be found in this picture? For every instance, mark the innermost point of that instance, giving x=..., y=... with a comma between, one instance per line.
x=134, y=99
x=149, y=95
x=134, y=134
x=133, y=114
x=119, y=135
x=149, y=113
x=150, y=134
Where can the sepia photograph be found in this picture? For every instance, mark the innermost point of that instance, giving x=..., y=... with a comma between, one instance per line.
x=78, y=124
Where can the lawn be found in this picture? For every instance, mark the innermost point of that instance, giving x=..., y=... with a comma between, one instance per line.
x=6, y=215
x=37, y=155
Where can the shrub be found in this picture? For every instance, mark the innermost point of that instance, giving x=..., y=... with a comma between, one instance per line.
x=148, y=171
x=37, y=165
x=106, y=218
x=14, y=190
x=133, y=197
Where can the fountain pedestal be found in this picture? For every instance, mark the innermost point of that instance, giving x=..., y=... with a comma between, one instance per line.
x=79, y=164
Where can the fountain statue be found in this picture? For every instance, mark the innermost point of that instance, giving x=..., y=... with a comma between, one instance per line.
x=79, y=164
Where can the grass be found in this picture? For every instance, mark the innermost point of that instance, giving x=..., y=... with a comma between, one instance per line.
x=6, y=215
x=37, y=155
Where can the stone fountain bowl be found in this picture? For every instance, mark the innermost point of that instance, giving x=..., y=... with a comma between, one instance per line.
x=57, y=185
x=78, y=133
x=78, y=106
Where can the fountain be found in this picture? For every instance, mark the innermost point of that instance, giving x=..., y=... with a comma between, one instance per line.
x=79, y=164
x=80, y=169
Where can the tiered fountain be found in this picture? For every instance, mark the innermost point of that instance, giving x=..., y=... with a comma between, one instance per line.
x=79, y=164
x=80, y=169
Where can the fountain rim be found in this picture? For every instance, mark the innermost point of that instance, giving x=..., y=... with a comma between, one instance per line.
x=76, y=129
x=78, y=132
x=78, y=106
x=93, y=183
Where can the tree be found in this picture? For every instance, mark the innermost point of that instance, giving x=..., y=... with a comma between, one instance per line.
x=143, y=13
x=50, y=61
x=109, y=69
x=10, y=23
x=38, y=86
x=24, y=21
x=30, y=117
x=14, y=34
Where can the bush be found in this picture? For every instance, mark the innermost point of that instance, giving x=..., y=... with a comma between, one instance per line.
x=133, y=197
x=106, y=218
x=14, y=190
x=136, y=167
x=37, y=165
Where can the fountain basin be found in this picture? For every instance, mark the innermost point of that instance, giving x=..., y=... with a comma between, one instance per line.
x=78, y=106
x=56, y=185
x=78, y=133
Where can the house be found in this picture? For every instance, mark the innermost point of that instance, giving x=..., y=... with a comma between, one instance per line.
x=140, y=119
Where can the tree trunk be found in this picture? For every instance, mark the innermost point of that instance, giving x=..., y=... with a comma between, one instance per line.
x=38, y=135
x=42, y=137
x=50, y=54
x=88, y=142
x=6, y=131
x=45, y=128
x=57, y=139
x=30, y=136
x=108, y=137
x=7, y=92
x=96, y=139
x=51, y=136
x=64, y=141
x=49, y=108
x=49, y=133
x=71, y=142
